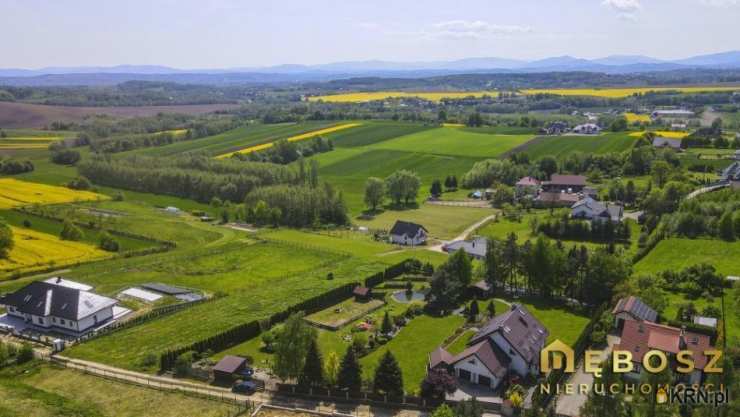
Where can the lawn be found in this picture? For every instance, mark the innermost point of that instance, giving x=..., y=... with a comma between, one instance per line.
x=676, y=254
x=625, y=92
x=45, y=390
x=455, y=142
x=732, y=311
x=442, y=222
x=35, y=251
x=15, y=193
x=562, y=322
x=562, y=146
x=361, y=97
x=344, y=312
x=235, y=139
x=412, y=346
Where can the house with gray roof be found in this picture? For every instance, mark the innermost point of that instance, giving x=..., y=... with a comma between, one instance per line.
x=661, y=142
x=408, y=233
x=47, y=306
x=509, y=344
x=591, y=209
x=475, y=248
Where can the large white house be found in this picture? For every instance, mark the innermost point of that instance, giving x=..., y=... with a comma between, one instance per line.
x=48, y=305
x=407, y=233
x=593, y=210
x=508, y=345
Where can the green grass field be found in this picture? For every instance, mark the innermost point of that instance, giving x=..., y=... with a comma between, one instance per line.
x=455, y=142
x=443, y=222
x=676, y=254
x=348, y=169
x=412, y=346
x=235, y=139
x=41, y=390
x=561, y=146
x=371, y=133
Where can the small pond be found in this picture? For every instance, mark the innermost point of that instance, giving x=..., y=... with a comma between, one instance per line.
x=402, y=296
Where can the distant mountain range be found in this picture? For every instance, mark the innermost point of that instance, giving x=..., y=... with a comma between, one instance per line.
x=615, y=64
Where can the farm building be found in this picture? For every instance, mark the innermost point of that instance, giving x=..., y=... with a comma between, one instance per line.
x=564, y=183
x=593, y=210
x=672, y=114
x=228, y=367
x=362, y=294
x=68, y=310
x=640, y=337
x=476, y=248
x=587, y=129
x=661, y=142
x=556, y=199
x=508, y=345
x=407, y=233
x=632, y=308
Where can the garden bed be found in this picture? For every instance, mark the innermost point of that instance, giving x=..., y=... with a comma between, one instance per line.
x=336, y=316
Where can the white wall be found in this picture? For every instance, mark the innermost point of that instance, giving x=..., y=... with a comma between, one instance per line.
x=518, y=364
x=476, y=368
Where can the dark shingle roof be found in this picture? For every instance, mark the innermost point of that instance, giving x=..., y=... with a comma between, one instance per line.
x=229, y=364
x=557, y=179
x=44, y=299
x=522, y=330
x=636, y=308
x=164, y=288
x=489, y=354
x=661, y=142
x=406, y=228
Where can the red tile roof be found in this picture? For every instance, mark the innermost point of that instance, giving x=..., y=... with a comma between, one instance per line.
x=639, y=337
x=361, y=291
x=557, y=179
x=528, y=181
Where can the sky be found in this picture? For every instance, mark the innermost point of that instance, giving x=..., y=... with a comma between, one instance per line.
x=194, y=34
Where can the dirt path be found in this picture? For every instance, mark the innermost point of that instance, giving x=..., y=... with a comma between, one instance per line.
x=464, y=235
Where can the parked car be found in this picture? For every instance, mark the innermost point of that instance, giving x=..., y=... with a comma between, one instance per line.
x=244, y=387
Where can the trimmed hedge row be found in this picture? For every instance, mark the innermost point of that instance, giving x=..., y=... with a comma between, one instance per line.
x=243, y=332
x=391, y=272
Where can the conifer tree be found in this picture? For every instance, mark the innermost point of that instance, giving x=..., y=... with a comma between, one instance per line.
x=388, y=377
x=350, y=373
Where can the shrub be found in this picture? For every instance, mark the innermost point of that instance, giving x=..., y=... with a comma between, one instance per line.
x=65, y=156
x=107, y=243
x=79, y=183
x=25, y=354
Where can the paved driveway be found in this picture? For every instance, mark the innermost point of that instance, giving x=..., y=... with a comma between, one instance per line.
x=570, y=405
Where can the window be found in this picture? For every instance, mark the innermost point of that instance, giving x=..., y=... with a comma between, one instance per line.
x=53, y=319
x=63, y=322
x=40, y=320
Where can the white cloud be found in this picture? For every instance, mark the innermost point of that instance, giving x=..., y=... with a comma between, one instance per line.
x=623, y=6
x=472, y=29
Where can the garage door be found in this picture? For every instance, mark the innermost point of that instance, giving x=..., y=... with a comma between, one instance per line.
x=484, y=380
x=464, y=374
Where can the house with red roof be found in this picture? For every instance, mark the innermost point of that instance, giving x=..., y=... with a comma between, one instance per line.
x=640, y=337
x=527, y=186
x=508, y=345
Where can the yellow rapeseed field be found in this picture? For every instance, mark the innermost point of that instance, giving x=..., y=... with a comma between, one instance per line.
x=360, y=97
x=296, y=138
x=634, y=117
x=34, y=250
x=664, y=133
x=14, y=193
x=27, y=142
x=625, y=92
x=453, y=125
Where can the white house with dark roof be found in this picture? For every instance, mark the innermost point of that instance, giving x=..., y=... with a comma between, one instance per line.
x=50, y=306
x=593, y=210
x=407, y=233
x=508, y=345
